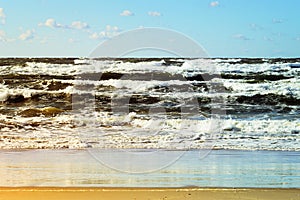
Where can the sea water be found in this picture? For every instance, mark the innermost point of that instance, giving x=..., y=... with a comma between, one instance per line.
x=154, y=103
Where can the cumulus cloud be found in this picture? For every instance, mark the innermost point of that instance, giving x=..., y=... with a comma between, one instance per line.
x=109, y=32
x=4, y=38
x=2, y=16
x=2, y=35
x=214, y=4
x=79, y=25
x=154, y=13
x=241, y=37
x=27, y=35
x=94, y=36
x=51, y=23
x=72, y=40
x=126, y=13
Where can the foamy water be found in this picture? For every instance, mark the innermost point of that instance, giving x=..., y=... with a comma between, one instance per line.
x=250, y=104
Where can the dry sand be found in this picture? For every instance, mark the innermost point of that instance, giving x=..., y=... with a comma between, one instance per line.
x=34, y=193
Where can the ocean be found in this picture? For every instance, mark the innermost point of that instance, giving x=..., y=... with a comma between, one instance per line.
x=150, y=103
x=150, y=122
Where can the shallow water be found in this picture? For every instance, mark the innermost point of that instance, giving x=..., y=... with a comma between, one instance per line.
x=218, y=168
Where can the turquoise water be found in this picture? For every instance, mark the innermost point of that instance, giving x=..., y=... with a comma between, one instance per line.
x=218, y=168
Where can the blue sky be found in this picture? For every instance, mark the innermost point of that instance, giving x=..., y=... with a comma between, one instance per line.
x=225, y=28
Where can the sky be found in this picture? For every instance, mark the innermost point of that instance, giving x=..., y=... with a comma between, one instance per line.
x=224, y=28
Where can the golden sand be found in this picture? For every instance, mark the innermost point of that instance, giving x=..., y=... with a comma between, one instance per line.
x=34, y=193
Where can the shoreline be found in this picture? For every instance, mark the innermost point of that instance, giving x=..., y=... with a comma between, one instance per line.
x=88, y=188
x=75, y=193
x=144, y=149
x=164, y=169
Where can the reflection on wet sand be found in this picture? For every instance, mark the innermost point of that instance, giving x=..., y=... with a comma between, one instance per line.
x=219, y=168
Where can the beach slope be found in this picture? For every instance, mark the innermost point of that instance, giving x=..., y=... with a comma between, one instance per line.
x=148, y=193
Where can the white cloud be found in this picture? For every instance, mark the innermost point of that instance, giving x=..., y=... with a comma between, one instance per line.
x=79, y=25
x=126, y=13
x=109, y=32
x=214, y=4
x=27, y=35
x=94, y=36
x=2, y=16
x=241, y=37
x=51, y=23
x=154, y=13
x=71, y=40
x=2, y=35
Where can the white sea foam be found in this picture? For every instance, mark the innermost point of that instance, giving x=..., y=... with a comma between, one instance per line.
x=3, y=93
x=195, y=65
x=288, y=87
x=89, y=128
x=127, y=131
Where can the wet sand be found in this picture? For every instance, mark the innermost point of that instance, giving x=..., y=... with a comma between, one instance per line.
x=218, y=175
x=148, y=193
x=147, y=169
